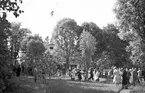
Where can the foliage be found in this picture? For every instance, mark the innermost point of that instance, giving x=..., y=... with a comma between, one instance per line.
x=35, y=47
x=131, y=17
x=64, y=37
x=46, y=42
x=49, y=64
x=110, y=48
x=16, y=37
x=6, y=6
x=111, y=28
x=87, y=46
x=11, y=6
x=25, y=41
x=87, y=42
x=91, y=27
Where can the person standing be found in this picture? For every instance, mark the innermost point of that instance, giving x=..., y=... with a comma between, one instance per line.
x=91, y=74
x=139, y=72
x=73, y=74
x=124, y=79
x=133, y=78
x=128, y=74
x=116, y=78
x=143, y=74
x=79, y=75
x=18, y=71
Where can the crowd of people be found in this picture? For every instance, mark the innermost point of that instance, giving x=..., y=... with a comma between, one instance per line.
x=124, y=76
x=78, y=74
x=127, y=77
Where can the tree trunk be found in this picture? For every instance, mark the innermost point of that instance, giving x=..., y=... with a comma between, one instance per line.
x=66, y=64
x=87, y=59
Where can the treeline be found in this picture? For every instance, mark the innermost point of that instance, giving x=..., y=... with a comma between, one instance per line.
x=102, y=48
x=87, y=44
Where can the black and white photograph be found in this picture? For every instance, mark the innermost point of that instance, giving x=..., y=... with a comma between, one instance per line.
x=72, y=46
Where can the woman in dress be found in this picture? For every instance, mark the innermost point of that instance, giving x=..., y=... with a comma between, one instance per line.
x=116, y=78
x=96, y=75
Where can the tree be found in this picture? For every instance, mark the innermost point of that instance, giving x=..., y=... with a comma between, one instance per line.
x=13, y=7
x=87, y=46
x=64, y=37
x=25, y=41
x=49, y=63
x=16, y=37
x=35, y=50
x=91, y=27
x=131, y=17
x=111, y=28
x=32, y=47
x=5, y=6
x=110, y=49
x=47, y=42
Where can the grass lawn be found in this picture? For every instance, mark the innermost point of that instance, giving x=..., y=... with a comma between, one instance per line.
x=140, y=88
x=27, y=85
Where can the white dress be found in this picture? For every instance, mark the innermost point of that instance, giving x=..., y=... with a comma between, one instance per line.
x=96, y=75
x=116, y=78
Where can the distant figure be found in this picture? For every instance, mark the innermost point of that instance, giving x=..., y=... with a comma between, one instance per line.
x=43, y=76
x=96, y=75
x=18, y=71
x=15, y=70
x=133, y=78
x=128, y=74
x=139, y=75
x=35, y=74
x=124, y=79
x=110, y=73
x=79, y=75
x=116, y=78
x=143, y=74
x=91, y=74
x=73, y=74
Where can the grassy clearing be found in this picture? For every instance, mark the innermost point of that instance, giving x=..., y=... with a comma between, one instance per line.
x=140, y=88
x=27, y=85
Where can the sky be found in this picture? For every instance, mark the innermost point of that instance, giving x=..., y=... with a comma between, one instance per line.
x=37, y=13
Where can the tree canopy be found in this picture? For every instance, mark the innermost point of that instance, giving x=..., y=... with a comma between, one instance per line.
x=64, y=37
x=131, y=18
